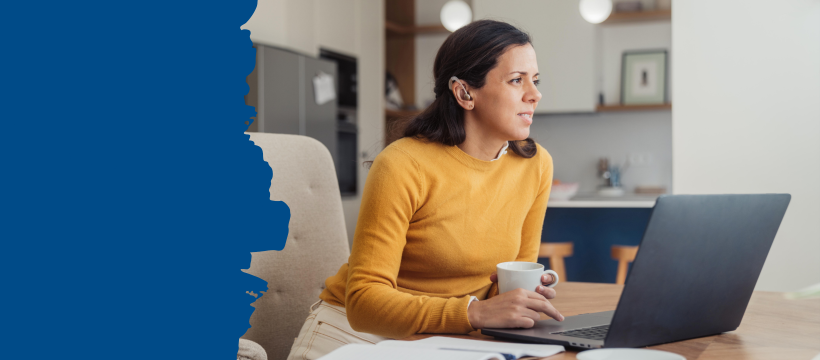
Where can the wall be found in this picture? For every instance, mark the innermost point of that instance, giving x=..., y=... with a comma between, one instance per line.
x=427, y=45
x=746, y=117
x=614, y=39
x=577, y=141
x=353, y=27
x=286, y=24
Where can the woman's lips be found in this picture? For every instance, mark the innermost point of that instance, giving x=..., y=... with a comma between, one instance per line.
x=527, y=117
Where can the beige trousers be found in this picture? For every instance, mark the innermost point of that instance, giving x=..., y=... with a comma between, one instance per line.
x=326, y=329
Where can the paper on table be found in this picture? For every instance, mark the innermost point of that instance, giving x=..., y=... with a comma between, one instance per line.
x=362, y=351
x=515, y=349
x=323, y=88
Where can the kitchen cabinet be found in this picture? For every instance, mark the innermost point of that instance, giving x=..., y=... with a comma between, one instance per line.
x=593, y=229
x=564, y=45
x=285, y=101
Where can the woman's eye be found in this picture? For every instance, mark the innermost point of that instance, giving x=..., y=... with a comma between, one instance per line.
x=516, y=80
x=536, y=82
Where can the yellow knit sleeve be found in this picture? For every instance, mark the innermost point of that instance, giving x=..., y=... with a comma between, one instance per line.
x=392, y=194
x=534, y=222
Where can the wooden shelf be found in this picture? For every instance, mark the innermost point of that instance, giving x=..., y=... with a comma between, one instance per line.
x=599, y=108
x=626, y=17
x=394, y=28
x=401, y=113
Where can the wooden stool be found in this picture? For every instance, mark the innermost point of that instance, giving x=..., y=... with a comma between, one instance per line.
x=556, y=252
x=624, y=255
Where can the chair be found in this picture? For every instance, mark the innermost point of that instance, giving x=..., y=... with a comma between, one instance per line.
x=305, y=179
x=556, y=252
x=624, y=255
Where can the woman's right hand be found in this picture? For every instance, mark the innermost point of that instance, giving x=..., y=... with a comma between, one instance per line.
x=513, y=309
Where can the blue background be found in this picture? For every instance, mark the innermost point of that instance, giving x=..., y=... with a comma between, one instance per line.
x=131, y=199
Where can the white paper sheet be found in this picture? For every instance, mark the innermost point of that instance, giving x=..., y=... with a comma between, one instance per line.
x=515, y=349
x=361, y=351
x=323, y=88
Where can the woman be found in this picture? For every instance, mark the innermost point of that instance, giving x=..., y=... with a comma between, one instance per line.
x=446, y=203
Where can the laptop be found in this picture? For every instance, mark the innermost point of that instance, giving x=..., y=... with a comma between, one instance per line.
x=693, y=276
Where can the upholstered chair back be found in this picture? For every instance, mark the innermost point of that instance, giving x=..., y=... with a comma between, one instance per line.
x=305, y=179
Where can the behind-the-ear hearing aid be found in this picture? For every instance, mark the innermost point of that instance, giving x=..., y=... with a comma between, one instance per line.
x=462, y=87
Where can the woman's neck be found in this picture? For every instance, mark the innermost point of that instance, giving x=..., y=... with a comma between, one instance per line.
x=481, y=147
x=481, y=152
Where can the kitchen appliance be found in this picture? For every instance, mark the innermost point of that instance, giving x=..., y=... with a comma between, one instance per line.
x=347, y=143
x=289, y=100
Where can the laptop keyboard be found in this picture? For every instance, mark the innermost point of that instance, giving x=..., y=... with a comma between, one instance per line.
x=593, y=333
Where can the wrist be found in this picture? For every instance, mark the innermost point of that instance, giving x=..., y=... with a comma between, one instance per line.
x=473, y=314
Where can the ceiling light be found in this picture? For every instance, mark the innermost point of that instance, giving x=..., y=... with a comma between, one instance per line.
x=595, y=11
x=455, y=14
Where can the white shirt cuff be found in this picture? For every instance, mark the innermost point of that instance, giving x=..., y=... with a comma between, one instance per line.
x=472, y=298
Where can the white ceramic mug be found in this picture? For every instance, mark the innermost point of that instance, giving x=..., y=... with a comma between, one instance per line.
x=521, y=274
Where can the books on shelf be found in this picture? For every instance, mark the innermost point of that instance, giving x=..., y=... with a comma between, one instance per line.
x=441, y=348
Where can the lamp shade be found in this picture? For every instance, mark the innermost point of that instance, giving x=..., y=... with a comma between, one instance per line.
x=455, y=14
x=595, y=11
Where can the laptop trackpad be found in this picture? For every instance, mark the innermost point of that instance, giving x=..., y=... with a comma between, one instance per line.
x=545, y=327
x=574, y=322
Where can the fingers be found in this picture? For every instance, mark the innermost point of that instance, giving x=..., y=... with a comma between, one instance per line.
x=546, y=292
x=534, y=295
x=531, y=314
x=546, y=308
x=524, y=322
x=538, y=302
x=494, y=277
x=547, y=279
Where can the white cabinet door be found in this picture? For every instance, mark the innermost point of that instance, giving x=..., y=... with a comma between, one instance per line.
x=564, y=44
x=287, y=24
x=336, y=24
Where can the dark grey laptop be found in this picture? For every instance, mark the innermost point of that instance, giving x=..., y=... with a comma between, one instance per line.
x=695, y=271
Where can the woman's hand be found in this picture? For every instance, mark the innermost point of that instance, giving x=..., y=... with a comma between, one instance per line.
x=516, y=308
x=546, y=280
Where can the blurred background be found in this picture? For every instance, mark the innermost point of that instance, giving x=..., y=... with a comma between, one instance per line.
x=640, y=98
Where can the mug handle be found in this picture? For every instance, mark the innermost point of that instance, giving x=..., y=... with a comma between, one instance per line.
x=554, y=275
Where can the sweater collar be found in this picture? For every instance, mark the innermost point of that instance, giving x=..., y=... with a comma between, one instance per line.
x=472, y=162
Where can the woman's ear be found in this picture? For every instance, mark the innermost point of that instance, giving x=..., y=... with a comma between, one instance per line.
x=462, y=95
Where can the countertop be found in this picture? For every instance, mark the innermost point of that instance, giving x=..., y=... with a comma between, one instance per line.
x=593, y=200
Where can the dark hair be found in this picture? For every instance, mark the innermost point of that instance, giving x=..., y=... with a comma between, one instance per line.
x=469, y=53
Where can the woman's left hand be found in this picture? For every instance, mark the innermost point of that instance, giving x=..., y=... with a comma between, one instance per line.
x=546, y=280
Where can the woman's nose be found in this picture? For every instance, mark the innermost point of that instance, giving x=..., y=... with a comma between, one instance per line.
x=532, y=94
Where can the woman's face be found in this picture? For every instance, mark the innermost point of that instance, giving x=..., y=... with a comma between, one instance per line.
x=505, y=104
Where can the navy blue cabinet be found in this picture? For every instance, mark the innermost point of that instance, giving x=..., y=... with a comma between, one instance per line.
x=593, y=231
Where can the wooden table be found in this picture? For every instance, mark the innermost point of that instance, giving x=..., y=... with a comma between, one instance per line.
x=772, y=328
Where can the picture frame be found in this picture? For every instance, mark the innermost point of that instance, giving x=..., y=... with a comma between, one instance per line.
x=644, y=77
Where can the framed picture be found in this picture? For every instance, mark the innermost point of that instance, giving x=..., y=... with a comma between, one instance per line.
x=643, y=77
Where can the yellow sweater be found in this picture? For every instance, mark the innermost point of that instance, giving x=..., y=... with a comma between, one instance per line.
x=433, y=224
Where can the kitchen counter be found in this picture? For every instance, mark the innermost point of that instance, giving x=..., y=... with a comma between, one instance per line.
x=593, y=200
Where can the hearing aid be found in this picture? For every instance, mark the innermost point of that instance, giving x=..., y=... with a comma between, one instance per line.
x=452, y=79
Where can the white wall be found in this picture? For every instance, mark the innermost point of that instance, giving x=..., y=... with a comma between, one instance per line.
x=353, y=27
x=268, y=24
x=616, y=38
x=287, y=24
x=746, y=117
x=577, y=141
